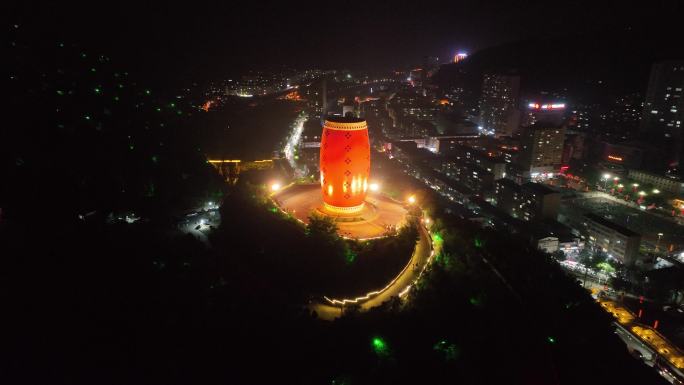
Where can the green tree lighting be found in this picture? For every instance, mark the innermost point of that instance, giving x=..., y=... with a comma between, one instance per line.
x=379, y=346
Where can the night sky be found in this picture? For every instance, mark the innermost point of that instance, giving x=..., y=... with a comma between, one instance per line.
x=215, y=39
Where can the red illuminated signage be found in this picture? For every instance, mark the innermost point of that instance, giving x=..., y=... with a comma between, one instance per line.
x=547, y=106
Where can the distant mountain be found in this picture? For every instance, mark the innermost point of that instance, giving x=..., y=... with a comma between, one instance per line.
x=589, y=66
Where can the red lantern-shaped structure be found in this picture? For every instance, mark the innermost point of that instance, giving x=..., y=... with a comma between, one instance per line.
x=345, y=164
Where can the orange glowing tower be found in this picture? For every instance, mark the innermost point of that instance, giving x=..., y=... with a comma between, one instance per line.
x=345, y=164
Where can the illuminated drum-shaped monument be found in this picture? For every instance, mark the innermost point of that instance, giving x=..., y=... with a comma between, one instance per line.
x=345, y=164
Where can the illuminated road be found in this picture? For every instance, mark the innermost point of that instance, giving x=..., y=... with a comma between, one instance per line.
x=420, y=258
x=293, y=139
x=655, y=342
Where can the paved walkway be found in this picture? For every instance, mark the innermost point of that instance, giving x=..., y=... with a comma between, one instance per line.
x=421, y=257
x=302, y=200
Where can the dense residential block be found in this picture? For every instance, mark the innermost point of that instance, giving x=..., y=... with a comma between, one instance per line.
x=618, y=241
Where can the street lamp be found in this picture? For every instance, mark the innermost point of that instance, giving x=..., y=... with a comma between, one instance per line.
x=642, y=193
x=374, y=187
x=605, y=180
x=412, y=199
x=275, y=187
x=586, y=270
x=660, y=235
x=656, y=191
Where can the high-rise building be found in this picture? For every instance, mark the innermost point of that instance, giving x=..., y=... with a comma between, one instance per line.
x=530, y=201
x=463, y=154
x=541, y=150
x=669, y=183
x=499, y=111
x=475, y=177
x=663, y=113
x=324, y=96
x=617, y=241
x=553, y=112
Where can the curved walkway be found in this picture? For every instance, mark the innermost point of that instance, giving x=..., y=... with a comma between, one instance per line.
x=422, y=255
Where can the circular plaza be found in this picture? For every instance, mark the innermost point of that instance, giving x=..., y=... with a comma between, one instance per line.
x=379, y=216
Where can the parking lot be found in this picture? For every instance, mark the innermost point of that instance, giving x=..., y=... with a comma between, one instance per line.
x=643, y=222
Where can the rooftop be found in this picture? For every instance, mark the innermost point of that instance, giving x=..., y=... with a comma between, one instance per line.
x=508, y=182
x=341, y=119
x=611, y=225
x=550, y=228
x=538, y=188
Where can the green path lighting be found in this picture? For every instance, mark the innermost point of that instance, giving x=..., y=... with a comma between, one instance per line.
x=437, y=240
x=379, y=346
x=349, y=256
x=438, y=257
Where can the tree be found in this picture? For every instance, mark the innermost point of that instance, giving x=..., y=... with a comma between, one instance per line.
x=585, y=256
x=322, y=226
x=592, y=257
x=600, y=257
x=558, y=255
x=666, y=285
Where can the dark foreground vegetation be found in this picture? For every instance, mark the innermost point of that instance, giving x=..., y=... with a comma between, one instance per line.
x=129, y=304
x=303, y=262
